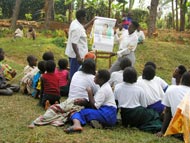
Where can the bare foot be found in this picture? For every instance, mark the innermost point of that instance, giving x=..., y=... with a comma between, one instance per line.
x=31, y=126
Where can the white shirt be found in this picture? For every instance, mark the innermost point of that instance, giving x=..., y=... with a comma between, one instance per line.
x=129, y=95
x=18, y=33
x=80, y=81
x=153, y=90
x=77, y=35
x=116, y=77
x=158, y=80
x=173, y=96
x=104, y=96
x=128, y=44
x=140, y=35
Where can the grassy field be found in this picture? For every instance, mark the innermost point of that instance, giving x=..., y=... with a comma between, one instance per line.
x=17, y=111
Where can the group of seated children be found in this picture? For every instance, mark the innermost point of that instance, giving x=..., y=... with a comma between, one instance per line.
x=31, y=33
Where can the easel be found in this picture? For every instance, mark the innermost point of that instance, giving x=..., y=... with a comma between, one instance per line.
x=104, y=55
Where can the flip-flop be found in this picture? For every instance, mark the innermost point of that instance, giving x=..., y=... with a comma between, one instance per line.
x=72, y=130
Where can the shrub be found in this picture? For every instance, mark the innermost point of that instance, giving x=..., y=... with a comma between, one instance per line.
x=59, y=41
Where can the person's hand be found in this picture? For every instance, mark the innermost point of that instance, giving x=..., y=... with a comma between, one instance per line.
x=80, y=101
x=79, y=60
x=159, y=134
x=113, y=54
x=13, y=73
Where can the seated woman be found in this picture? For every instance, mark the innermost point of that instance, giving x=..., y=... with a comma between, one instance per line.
x=132, y=102
x=103, y=105
x=153, y=90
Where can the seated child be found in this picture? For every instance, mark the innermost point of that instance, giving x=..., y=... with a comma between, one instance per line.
x=29, y=71
x=49, y=85
x=103, y=105
x=6, y=89
x=31, y=33
x=19, y=32
x=63, y=75
x=36, y=82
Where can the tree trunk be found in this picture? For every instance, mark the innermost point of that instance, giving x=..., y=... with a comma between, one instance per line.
x=49, y=12
x=82, y=4
x=152, y=17
x=176, y=8
x=70, y=12
x=15, y=14
x=173, y=15
x=109, y=8
x=182, y=15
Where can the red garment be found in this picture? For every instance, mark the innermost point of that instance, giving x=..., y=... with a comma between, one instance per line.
x=63, y=76
x=50, y=84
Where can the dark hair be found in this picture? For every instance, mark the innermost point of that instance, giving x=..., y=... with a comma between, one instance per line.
x=50, y=66
x=185, y=80
x=1, y=54
x=63, y=63
x=148, y=72
x=89, y=66
x=182, y=69
x=48, y=56
x=31, y=59
x=151, y=63
x=80, y=13
x=125, y=62
x=135, y=24
x=41, y=66
x=104, y=75
x=130, y=75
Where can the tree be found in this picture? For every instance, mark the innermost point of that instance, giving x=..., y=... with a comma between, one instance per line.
x=176, y=9
x=182, y=14
x=49, y=12
x=152, y=17
x=15, y=14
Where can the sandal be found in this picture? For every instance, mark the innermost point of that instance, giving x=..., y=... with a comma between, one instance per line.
x=72, y=130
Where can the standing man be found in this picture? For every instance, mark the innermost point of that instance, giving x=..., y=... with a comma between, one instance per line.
x=77, y=46
x=127, y=47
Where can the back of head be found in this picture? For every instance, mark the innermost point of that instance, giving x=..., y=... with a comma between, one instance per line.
x=41, y=66
x=48, y=56
x=31, y=60
x=151, y=63
x=182, y=69
x=50, y=66
x=130, y=75
x=148, y=72
x=63, y=63
x=104, y=75
x=185, y=80
x=1, y=54
x=89, y=66
x=125, y=62
x=80, y=13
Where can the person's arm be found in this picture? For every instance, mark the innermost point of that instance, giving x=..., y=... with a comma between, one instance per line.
x=165, y=124
x=76, y=50
x=89, y=23
x=91, y=97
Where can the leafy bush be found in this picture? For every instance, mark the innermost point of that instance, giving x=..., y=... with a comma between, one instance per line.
x=59, y=41
x=4, y=32
x=28, y=16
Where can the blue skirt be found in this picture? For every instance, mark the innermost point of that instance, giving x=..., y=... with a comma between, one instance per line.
x=106, y=115
x=158, y=106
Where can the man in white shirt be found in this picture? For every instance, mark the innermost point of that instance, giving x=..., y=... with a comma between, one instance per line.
x=77, y=46
x=174, y=95
x=127, y=47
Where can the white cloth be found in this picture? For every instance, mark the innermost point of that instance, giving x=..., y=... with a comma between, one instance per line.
x=158, y=80
x=80, y=81
x=128, y=44
x=77, y=35
x=105, y=96
x=153, y=90
x=116, y=77
x=129, y=95
x=173, y=96
x=18, y=33
x=140, y=35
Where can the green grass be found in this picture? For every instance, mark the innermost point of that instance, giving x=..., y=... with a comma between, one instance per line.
x=18, y=111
